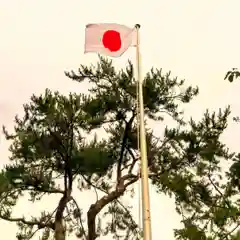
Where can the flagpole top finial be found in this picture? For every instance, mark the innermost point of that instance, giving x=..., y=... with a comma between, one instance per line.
x=137, y=26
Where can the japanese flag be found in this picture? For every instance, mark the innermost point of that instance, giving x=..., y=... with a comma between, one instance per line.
x=110, y=39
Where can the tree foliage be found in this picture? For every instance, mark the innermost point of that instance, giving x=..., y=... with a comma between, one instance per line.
x=232, y=74
x=51, y=153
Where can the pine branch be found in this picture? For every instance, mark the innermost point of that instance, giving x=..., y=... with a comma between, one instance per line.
x=39, y=224
x=80, y=219
x=39, y=189
x=233, y=230
x=48, y=220
x=217, y=189
x=123, y=146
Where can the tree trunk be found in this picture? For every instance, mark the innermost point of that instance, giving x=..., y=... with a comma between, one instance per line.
x=102, y=202
x=60, y=230
x=60, y=233
x=91, y=215
x=97, y=207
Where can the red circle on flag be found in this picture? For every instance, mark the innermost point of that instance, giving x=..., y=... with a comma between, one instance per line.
x=112, y=40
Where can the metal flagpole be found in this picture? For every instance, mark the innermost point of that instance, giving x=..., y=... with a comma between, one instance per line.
x=147, y=231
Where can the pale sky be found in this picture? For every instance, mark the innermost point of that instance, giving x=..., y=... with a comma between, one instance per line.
x=196, y=40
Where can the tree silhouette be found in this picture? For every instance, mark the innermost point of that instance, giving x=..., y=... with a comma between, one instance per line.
x=51, y=154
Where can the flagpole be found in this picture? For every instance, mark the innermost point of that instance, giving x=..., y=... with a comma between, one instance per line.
x=146, y=218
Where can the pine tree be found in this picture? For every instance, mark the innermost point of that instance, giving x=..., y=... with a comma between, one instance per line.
x=50, y=145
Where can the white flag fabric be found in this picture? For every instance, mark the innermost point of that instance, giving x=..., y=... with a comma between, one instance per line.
x=110, y=39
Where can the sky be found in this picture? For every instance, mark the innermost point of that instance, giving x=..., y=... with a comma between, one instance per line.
x=196, y=40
